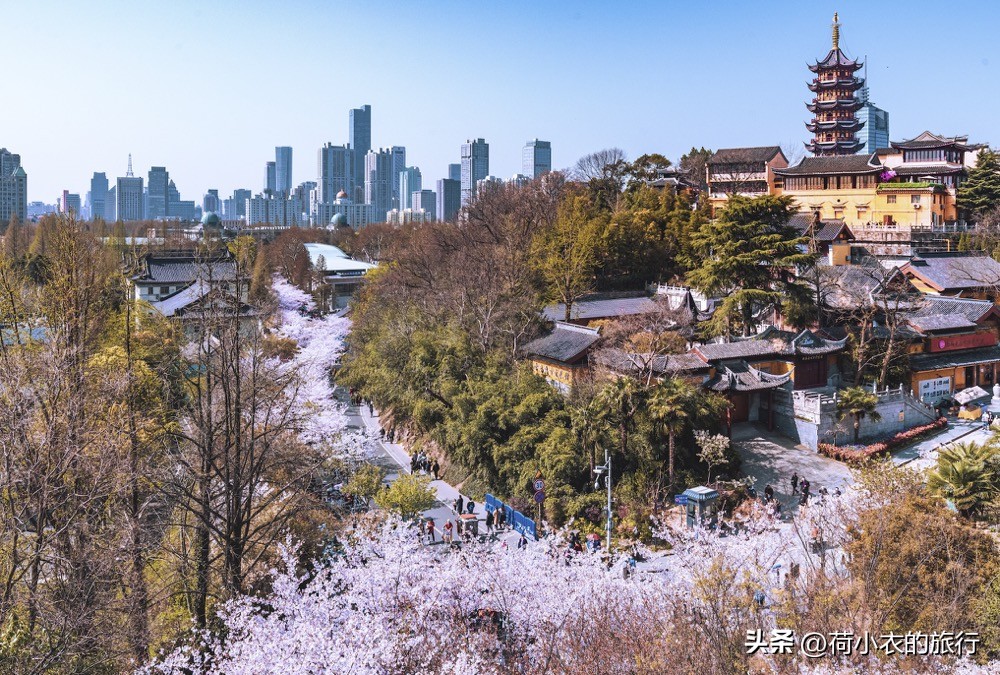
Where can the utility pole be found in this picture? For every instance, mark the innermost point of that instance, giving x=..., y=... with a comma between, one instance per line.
x=605, y=470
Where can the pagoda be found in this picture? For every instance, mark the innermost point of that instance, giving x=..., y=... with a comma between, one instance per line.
x=835, y=122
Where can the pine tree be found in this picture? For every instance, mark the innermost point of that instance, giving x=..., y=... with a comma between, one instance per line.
x=747, y=256
x=980, y=193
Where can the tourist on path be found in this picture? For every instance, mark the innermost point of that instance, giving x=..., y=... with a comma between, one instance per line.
x=795, y=483
x=459, y=503
x=436, y=469
x=430, y=530
x=489, y=521
x=448, y=527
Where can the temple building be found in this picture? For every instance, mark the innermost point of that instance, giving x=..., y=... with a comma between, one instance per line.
x=835, y=122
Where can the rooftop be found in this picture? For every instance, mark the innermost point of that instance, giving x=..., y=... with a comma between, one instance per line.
x=771, y=342
x=330, y=259
x=601, y=308
x=829, y=229
x=850, y=164
x=764, y=153
x=566, y=343
x=185, y=269
x=955, y=270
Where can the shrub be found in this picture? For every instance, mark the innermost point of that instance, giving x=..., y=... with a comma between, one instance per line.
x=858, y=454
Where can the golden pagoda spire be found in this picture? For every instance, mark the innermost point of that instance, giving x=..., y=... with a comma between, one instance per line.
x=836, y=32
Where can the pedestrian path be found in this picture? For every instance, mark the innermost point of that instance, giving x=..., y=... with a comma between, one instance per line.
x=446, y=493
x=924, y=453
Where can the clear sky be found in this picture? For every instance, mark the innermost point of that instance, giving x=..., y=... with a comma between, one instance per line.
x=208, y=88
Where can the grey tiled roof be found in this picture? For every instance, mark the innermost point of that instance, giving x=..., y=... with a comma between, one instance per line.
x=744, y=155
x=828, y=231
x=958, y=359
x=740, y=376
x=811, y=166
x=601, y=309
x=955, y=270
x=771, y=343
x=186, y=270
x=566, y=343
x=836, y=57
x=927, y=170
x=968, y=308
x=932, y=322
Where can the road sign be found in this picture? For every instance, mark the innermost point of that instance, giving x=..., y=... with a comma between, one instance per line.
x=539, y=497
x=539, y=485
x=680, y=499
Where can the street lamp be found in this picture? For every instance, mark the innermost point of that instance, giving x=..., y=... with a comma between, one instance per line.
x=605, y=471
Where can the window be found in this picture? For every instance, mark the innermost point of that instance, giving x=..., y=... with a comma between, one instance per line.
x=914, y=199
x=890, y=199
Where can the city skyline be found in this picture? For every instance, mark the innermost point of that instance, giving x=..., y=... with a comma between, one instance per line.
x=631, y=93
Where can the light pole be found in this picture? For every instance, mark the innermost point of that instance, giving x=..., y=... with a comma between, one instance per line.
x=605, y=470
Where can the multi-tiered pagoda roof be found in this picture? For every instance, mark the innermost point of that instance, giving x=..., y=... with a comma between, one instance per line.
x=835, y=123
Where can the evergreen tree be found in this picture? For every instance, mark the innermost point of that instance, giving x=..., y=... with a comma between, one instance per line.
x=980, y=193
x=747, y=257
x=694, y=163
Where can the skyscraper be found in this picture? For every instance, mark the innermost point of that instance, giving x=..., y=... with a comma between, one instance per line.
x=211, y=202
x=424, y=200
x=283, y=169
x=13, y=188
x=378, y=181
x=129, y=195
x=360, y=140
x=69, y=203
x=874, y=134
x=270, y=178
x=409, y=182
x=449, y=198
x=475, y=167
x=99, y=197
x=335, y=171
x=398, y=166
x=235, y=208
x=157, y=200
x=455, y=172
x=536, y=158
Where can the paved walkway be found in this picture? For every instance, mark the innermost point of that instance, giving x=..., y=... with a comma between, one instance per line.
x=772, y=459
x=395, y=460
x=924, y=454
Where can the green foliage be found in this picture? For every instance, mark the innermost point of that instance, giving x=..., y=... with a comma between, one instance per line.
x=980, y=193
x=747, y=256
x=408, y=496
x=966, y=475
x=366, y=482
x=858, y=403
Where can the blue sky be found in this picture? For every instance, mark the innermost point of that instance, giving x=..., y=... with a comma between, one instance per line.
x=207, y=89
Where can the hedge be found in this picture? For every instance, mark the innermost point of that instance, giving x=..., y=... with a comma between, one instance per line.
x=858, y=454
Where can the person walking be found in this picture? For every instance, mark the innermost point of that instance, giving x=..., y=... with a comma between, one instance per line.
x=420, y=529
x=436, y=469
x=501, y=520
x=768, y=493
x=448, y=527
x=795, y=483
x=489, y=521
x=522, y=542
x=459, y=503
x=471, y=506
x=430, y=530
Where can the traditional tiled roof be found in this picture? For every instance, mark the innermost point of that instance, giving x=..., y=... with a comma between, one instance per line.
x=957, y=359
x=829, y=229
x=849, y=164
x=929, y=140
x=567, y=343
x=835, y=57
x=927, y=170
x=954, y=270
x=185, y=270
x=771, y=342
x=970, y=309
x=601, y=308
x=936, y=322
x=738, y=375
x=745, y=155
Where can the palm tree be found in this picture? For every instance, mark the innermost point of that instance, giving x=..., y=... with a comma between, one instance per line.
x=858, y=403
x=675, y=404
x=619, y=400
x=591, y=429
x=965, y=475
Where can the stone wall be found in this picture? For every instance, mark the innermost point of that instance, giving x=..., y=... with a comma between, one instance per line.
x=810, y=417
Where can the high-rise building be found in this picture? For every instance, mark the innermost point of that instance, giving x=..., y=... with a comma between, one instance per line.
x=157, y=200
x=360, y=140
x=424, y=200
x=536, y=158
x=378, y=180
x=475, y=167
x=111, y=206
x=99, y=197
x=455, y=172
x=13, y=188
x=69, y=203
x=835, y=124
x=874, y=133
x=409, y=182
x=343, y=212
x=449, y=198
x=129, y=196
x=335, y=171
x=235, y=208
x=283, y=169
x=211, y=202
x=277, y=210
x=270, y=178
x=398, y=166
